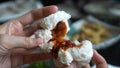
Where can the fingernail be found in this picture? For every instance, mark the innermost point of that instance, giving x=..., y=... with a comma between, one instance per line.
x=39, y=41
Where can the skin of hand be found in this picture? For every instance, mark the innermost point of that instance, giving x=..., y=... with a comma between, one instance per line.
x=15, y=42
x=99, y=61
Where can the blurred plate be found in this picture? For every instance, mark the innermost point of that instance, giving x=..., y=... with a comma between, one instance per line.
x=13, y=9
x=113, y=31
x=97, y=7
x=103, y=7
x=107, y=11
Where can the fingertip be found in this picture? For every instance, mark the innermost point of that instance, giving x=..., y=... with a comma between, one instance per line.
x=95, y=52
x=54, y=7
x=95, y=55
x=39, y=41
x=43, y=12
x=49, y=10
x=31, y=42
x=99, y=60
x=87, y=66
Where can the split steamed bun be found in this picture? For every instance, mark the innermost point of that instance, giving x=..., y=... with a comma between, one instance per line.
x=80, y=52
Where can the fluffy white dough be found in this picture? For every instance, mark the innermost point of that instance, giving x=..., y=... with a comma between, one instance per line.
x=65, y=57
x=48, y=23
x=46, y=35
x=51, y=21
x=82, y=54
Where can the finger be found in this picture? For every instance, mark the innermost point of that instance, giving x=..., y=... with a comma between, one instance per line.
x=22, y=51
x=87, y=66
x=36, y=14
x=31, y=29
x=72, y=65
x=30, y=58
x=10, y=42
x=99, y=60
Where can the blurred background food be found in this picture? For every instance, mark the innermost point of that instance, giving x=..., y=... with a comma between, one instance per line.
x=96, y=33
x=102, y=28
x=108, y=11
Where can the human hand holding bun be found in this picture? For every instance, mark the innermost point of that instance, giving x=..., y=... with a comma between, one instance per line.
x=16, y=44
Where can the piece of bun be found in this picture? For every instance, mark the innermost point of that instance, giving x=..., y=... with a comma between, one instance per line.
x=64, y=51
x=81, y=53
x=52, y=20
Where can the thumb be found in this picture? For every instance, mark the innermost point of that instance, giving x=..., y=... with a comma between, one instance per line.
x=10, y=42
x=99, y=60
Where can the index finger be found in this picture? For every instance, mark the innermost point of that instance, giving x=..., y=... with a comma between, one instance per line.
x=99, y=60
x=36, y=14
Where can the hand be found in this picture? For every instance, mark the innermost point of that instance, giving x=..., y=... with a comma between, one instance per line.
x=97, y=59
x=15, y=44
